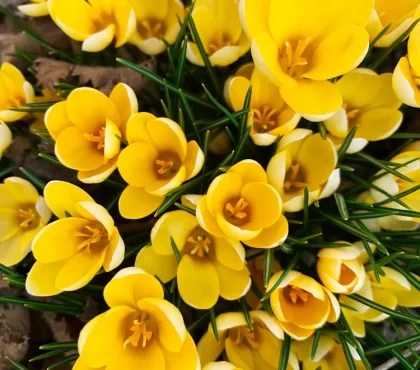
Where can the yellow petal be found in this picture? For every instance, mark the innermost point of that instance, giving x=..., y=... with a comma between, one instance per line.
x=235, y=90
x=100, y=174
x=222, y=189
x=384, y=298
x=338, y=124
x=230, y=54
x=176, y=224
x=5, y=137
x=130, y=285
x=209, y=349
x=404, y=85
x=198, y=282
x=254, y=16
x=271, y=237
x=194, y=160
x=386, y=97
x=378, y=124
x=206, y=25
x=56, y=119
x=22, y=190
x=9, y=223
x=314, y=100
x=171, y=328
x=357, y=325
x=239, y=354
x=126, y=102
x=164, y=267
x=76, y=152
x=413, y=49
x=11, y=252
x=229, y=253
x=99, y=40
x=125, y=23
x=34, y=10
x=41, y=280
x=233, y=284
x=409, y=298
x=296, y=332
x=112, y=142
x=79, y=270
x=227, y=16
x=80, y=365
x=137, y=127
x=185, y=359
x=151, y=46
x=95, y=212
x=206, y=220
x=162, y=187
x=115, y=251
x=106, y=337
x=137, y=203
x=236, y=232
x=157, y=10
x=250, y=171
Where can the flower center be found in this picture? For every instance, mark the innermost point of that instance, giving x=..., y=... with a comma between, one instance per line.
x=218, y=41
x=150, y=27
x=265, y=118
x=13, y=102
x=292, y=59
x=98, y=138
x=296, y=295
x=243, y=334
x=237, y=211
x=167, y=165
x=351, y=113
x=141, y=332
x=198, y=243
x=28, y=217
x=94, y=235
x=294, y=179
x=347, y=275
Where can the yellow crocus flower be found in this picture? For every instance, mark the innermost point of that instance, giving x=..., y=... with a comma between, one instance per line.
x=368, y=102
x=270, y=116
x=70, y=251
x=399, y=13
x=14, y=92
x=221, y=365
x=246, y=348
x=295, y=165
x=139, y=331
x=156, y=21
x=23, y=212
x=301, y=304
x=95, y=23
x=220, y=31
x=209, y=267
x=340, y=269
x=301, y=44
x=35, y=8
x=329, y=354
x=86, y=128
x=5, y=137
x=241, y=205
x=157, y=160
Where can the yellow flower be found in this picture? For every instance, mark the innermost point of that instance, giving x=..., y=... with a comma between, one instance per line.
x=364, y=256
x=140, y=330
x=157, y=160
x=70, y=251
x=96, y=23
x=14, y=92
x=156, y=21
x=221, y=365
x=86, y=128
x=329, y=354
x=248, y=349
x=39, y=123
x=35, y=8
x=209, y=266
x=270, y=116
x=220, y=31
x=5, y=137
x=300, y=45
x=303, y=158
x=369, y=103
x=256, y=268
x=23, y=213
x=399, y=13
x=340, y=269
x=392, y=290
x=301, y=304
x=406, y=77
x=240, y=205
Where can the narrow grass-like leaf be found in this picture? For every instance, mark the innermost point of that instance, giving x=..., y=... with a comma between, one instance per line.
x=244, y=118
x=346, y=143
x=405, y=135
x=185, y=208
x=48, y=355
x=181, y=121
x=322, y=130
x=222, y=164
x=52, y=159
x=204, y=125
x=341, y=205
x=317, y=337
x=372, y=236
x=8, y=271
x=198, y=322
x=59, y=345
x=344, y=167
x=32, y=178
x=175, y=250
x=165, y=108
x=245, y=310
x=347, y=353
x=410, y=277
x=285, y=352
x=241, y=144
x=305, y=207
x=383, y=261
x=379, y=36
x=64, y=361
x=268, y=265
x=181, y=62
x=214, y=324
x=265, y=305
x=16, y=365
x=400, y=195
x=395, y=344
x=6, y=171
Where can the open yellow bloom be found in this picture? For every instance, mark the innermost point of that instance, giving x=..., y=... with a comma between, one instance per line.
x=302, y=44
x=329, y=354
x=220, y=31
x=86, y=128
x=140, y=330
x=248, y=349
x=221, y=365
x=392, y=290
x=368, y=102
x=157, y=160
x=156, y=21
x=399, y=13
x=240, y=205
x=209, y=267
x=35, y=8
x=70, y=251
x=23, y=213
x=5, y=137
x=14, y=91
x=340, y=269
x=96, y=23
x=301, y=304
x=406, y=77
x=303, y=158
x=270, y=116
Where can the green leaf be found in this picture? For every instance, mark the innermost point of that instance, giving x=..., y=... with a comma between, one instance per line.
x=305, y=207
x=347, y=353
x=214, y=324
x=185, y=208
x=268, y=265
x=400, y=195
x=241, y=144
x=344, y=167
x=52, y=159
x=198, y=322
x=16, y=365
x=165, y=109
x=378, y=244
x=259, y=295
x=49, y=354
x=379, y=36
x=348, y=307
x=317, y=337
x=64, y=361
x=322, y=130
x=181, y=62
x=175, y=250
x=341, y=205
x=246, y=107
x=32, y=178
x=204, y=125
x=285, y=352
x=8, y=271
x=405, y=135
x=410, y=277
x=346, y=143
x=245, y=310
x=395, y=344
x=6, y=171
x=383, y=261
x=59, y=345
